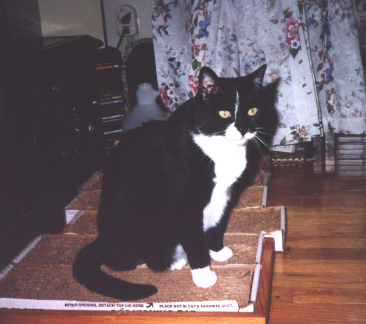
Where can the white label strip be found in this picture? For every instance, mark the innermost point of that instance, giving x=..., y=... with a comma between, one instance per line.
x=208, y=306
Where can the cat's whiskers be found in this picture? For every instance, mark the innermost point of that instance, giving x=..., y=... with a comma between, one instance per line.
x=262, y=141
x=266, y=128
x=264, y=133
x=208, y=166
x=199, y=127
x=265, y=144
x=195, y=150
x=258, y=146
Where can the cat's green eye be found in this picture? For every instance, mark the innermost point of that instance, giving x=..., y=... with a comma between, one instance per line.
x=224, y=113
x=252, y=111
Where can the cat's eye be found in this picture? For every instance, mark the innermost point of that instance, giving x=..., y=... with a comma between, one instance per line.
x=224, y=113
x=252, y=111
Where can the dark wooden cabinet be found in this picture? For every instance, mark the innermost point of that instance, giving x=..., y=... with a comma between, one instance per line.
x=50, y=137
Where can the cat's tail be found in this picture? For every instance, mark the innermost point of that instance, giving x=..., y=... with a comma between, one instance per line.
x=87, y=272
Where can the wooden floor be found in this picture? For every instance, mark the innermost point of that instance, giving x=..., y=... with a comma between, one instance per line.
x=321, y=278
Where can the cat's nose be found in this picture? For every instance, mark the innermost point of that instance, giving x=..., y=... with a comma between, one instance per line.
x=241, y=128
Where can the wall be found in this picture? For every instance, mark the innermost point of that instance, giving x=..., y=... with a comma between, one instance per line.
x=70, y=17
x=84, y=17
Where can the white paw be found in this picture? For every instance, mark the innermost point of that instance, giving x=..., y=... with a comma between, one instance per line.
x=178, y=265
x=204, y=277
x=223, y=255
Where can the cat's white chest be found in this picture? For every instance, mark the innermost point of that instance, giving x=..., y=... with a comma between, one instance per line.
x=230, y=162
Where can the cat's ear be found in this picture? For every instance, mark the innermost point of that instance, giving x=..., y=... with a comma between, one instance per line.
x=207, y=82
x=258, y=76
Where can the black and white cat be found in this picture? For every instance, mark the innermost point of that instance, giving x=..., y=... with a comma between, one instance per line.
x=169, y=186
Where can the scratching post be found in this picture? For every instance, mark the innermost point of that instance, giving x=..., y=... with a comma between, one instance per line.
x=41, y=276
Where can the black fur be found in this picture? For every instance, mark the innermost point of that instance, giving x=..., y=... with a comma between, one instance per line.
x=158, y=181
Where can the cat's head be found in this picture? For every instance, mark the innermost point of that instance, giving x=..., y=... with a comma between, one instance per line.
x=240, y=109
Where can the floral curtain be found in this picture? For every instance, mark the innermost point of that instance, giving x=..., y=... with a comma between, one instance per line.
x=235, y=37
x=335, y=51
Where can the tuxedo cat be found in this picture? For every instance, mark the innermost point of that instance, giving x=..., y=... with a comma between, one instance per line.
x=169, y=186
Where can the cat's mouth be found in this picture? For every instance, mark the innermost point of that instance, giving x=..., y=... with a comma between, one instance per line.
x=237, y=141
x=234, y=136
x=240, y=142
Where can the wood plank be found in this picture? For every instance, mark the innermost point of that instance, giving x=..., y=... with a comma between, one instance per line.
x=290, y=313
x=327, y=213
x=360, y=187
x=327, y=230
x=282, y=294
x=321, y=242
x=330, y=296
x=87, y=317
x=351, y=173
x=327, y=254
x=326, y=224
x=354, y=202
x=318, y=274
x=320, y=267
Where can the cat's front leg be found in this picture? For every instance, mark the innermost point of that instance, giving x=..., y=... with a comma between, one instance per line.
x=215, y=238
x=198, y=257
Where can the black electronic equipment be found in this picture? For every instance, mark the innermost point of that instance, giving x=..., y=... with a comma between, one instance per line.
x=112, y=107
